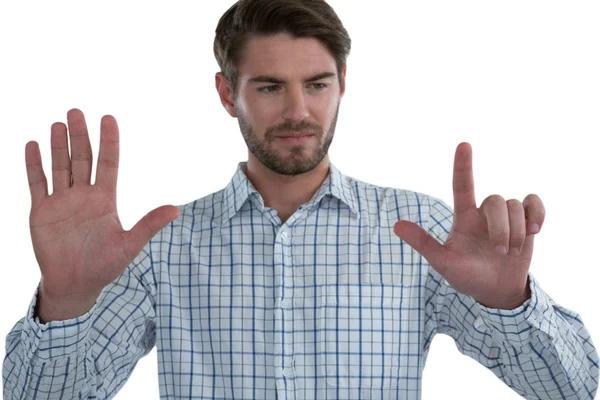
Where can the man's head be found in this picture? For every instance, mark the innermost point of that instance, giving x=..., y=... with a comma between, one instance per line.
x=283, y=66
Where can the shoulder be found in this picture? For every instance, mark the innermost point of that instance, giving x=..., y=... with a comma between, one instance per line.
x=404, y=203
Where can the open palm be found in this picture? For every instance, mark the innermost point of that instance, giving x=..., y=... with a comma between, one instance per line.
x=77, y=237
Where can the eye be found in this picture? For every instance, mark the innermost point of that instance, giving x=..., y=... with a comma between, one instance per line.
x=274, y=88
x=262, y=89
x=323, y=85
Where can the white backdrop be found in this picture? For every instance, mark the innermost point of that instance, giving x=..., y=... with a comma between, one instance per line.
x=518, y=80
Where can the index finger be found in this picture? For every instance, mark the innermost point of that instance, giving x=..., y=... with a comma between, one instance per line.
x=463, y=185
x=108, y=155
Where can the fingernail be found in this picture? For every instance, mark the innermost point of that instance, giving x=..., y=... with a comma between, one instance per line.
x=535, y=228
x=514, y=251
x=500, y=249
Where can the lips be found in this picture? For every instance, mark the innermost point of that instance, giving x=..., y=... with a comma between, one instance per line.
x=297, y=135
x=295, y=140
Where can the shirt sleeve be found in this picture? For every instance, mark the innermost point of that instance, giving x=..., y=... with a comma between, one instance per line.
x=540, y=349
x=90, y=356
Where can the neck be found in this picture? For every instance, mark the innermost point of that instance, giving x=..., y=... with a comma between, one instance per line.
x=285, y=193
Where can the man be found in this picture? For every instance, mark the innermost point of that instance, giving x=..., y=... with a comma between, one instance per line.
x=295, y=281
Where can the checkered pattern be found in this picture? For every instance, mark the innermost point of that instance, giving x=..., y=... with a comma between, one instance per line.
x=330, y=305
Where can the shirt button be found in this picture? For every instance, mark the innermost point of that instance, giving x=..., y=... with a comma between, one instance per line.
x=284, y=235
x=479, y=323
x=285, y=303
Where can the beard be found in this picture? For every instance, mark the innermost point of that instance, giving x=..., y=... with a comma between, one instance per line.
x=295, y=160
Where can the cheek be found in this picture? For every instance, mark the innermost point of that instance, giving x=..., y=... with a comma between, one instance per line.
x=327, y=112
x=264, y=114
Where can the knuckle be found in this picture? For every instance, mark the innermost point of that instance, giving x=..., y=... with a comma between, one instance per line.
x=37, y=182
x=534, y=201
x=517, y=240
x=515, y=207
x=107, y=162
x=501, y=236
x=494, y=200
x=81, y=156
x=513, y=202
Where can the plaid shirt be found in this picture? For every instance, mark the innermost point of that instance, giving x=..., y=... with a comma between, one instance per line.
x=329, y=305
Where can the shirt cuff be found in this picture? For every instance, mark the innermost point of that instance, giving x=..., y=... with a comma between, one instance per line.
x=514, y=327
x=54, y=339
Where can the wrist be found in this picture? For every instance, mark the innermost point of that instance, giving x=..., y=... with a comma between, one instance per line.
x=58, y=308
x=507, y=303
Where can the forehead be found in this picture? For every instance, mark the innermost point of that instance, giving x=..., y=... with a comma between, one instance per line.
x=285, y=56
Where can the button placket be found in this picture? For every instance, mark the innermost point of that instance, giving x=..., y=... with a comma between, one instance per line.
x=284, y=314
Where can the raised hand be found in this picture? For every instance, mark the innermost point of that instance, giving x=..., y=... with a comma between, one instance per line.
x=489, y=249
x=77, y=237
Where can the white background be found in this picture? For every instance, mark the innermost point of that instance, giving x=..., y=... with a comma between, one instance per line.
x=518, y=80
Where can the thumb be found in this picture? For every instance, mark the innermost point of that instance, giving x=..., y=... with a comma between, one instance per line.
x=148, y=227
x=422, y=242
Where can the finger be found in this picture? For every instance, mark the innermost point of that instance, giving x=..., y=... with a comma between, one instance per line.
x=535, y=213
x=462, y=180
x=38, y=184
x=495, y=212
x=423, y=243
x=81, y=149
x=61, y=162
x=147, y=228
x=516, y=217
x=108, y=156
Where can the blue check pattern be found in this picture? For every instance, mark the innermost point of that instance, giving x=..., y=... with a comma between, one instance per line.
x=330, y=304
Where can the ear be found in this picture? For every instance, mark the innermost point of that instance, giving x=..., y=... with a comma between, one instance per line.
x=225, y=93
x=343, y=81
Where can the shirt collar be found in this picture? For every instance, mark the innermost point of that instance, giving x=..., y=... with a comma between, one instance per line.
x=240, y=189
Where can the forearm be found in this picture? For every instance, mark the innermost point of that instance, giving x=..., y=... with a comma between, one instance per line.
x=48, y=361
x=541, y=350
x=88, y=356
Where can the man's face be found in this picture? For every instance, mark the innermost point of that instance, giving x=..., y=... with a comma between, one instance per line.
x=278, y=96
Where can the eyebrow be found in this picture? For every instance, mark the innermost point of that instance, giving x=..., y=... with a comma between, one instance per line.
x=272, y=79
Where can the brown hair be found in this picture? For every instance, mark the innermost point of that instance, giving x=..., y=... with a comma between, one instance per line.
x=300, y=18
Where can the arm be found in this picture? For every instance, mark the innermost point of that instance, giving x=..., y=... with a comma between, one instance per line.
x=540, y=349
x=90, y=356
x=89, y=265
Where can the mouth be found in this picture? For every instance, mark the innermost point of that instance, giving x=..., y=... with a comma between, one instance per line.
x=296, y=135
x=296, y=139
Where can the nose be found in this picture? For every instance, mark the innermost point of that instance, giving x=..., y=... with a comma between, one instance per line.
x=296, y=108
